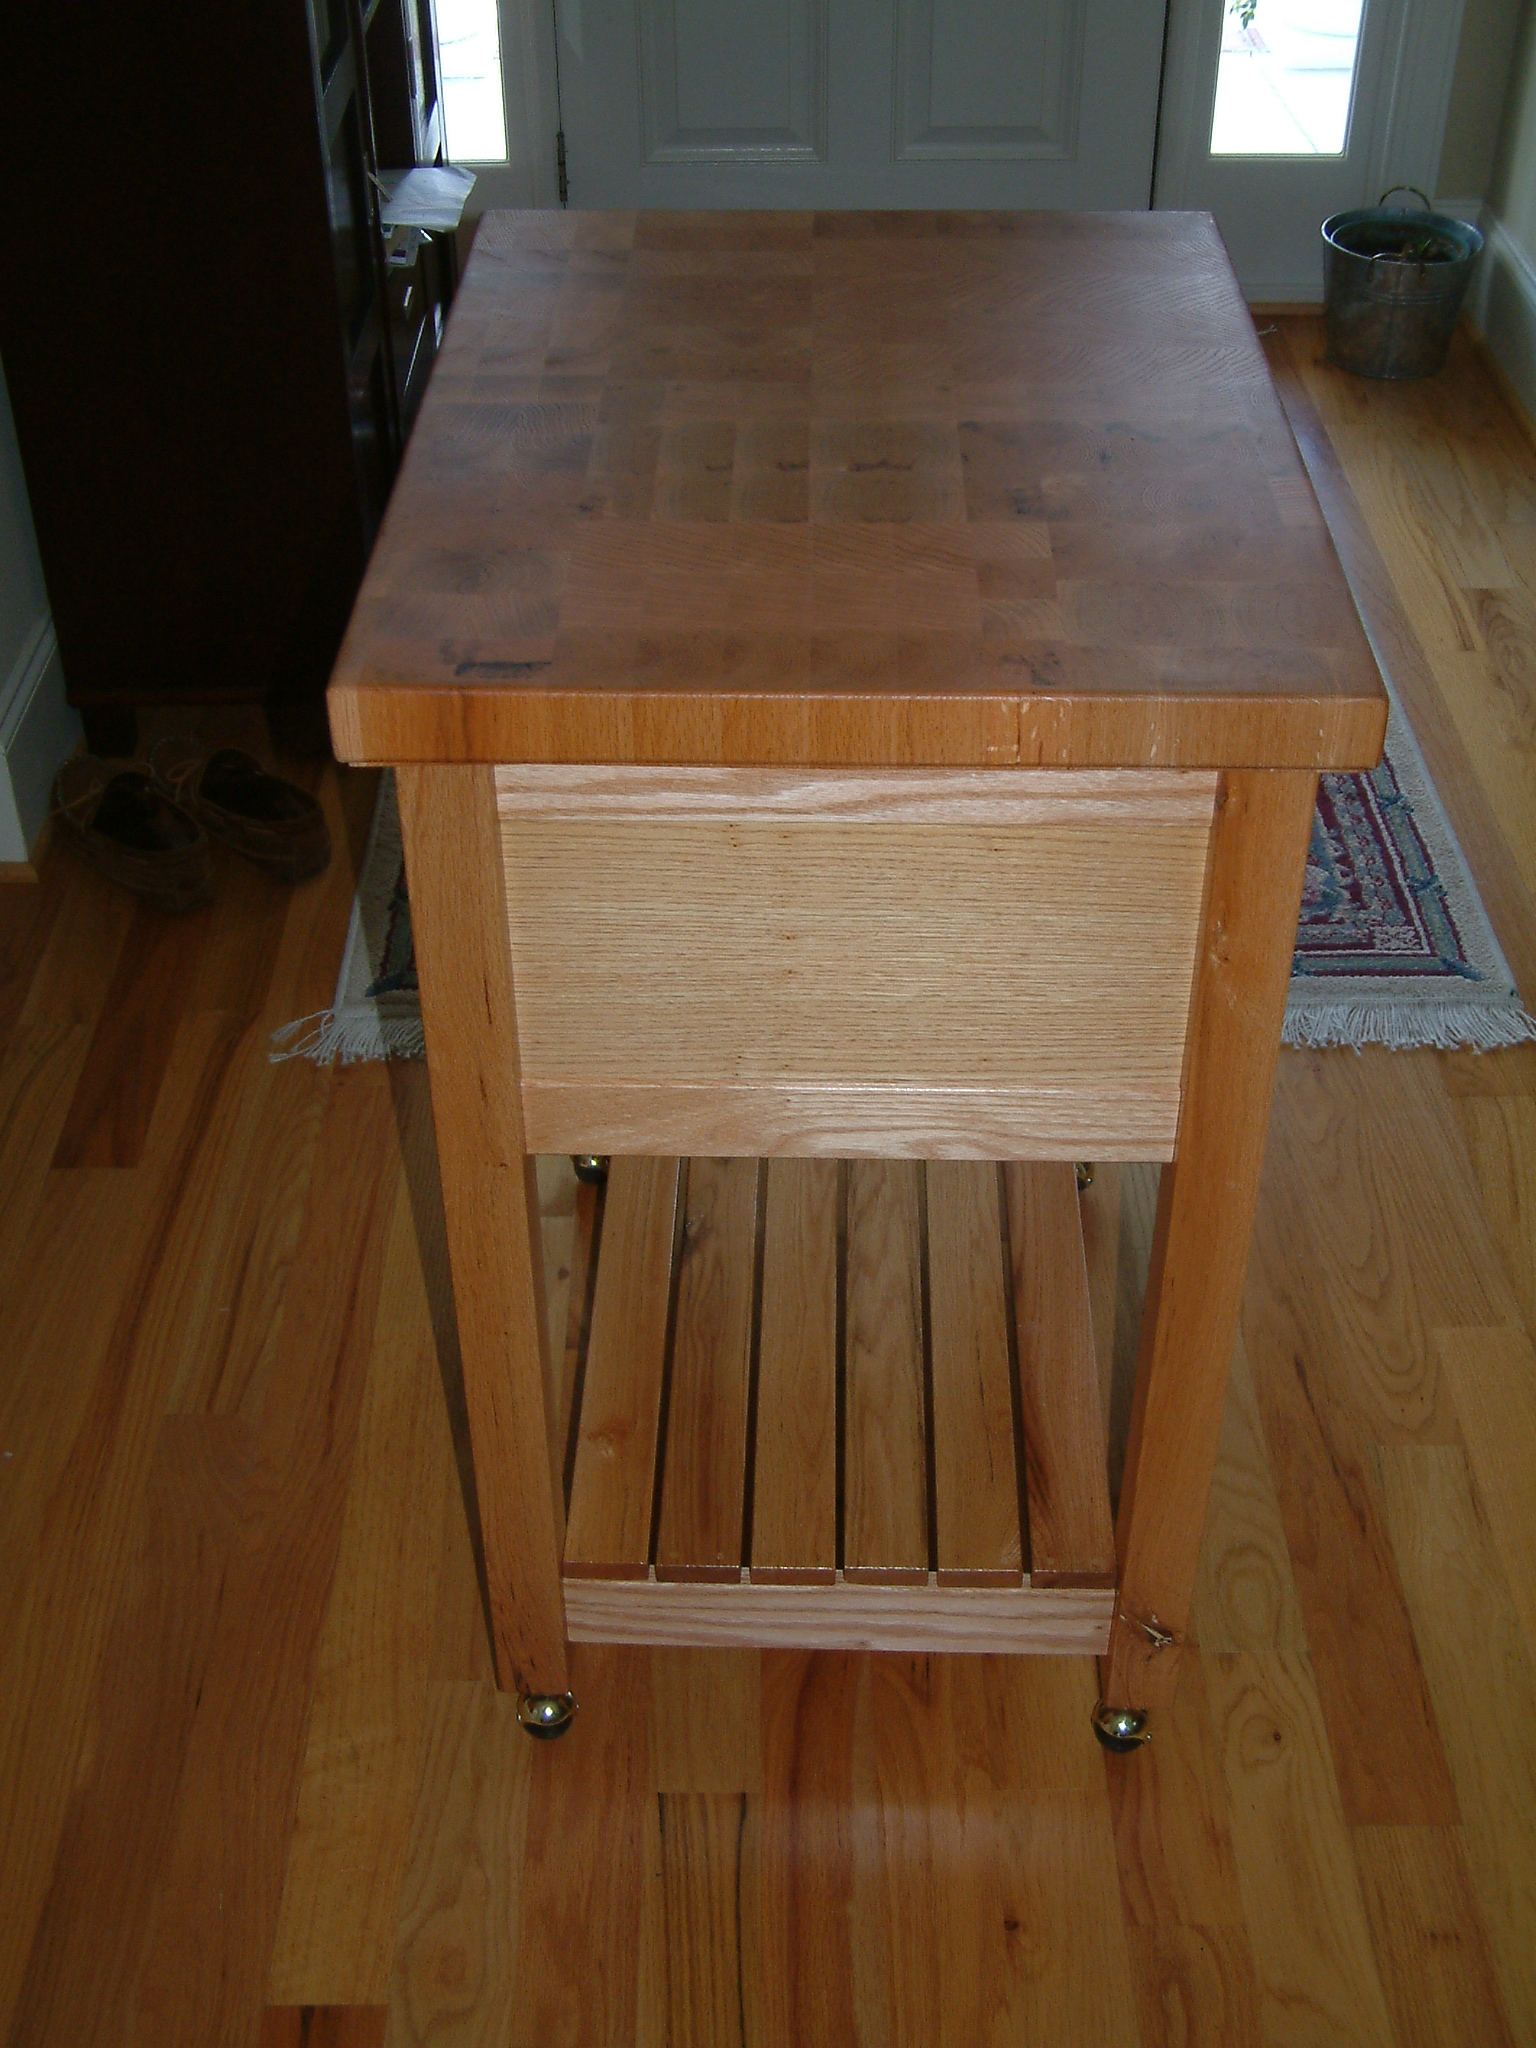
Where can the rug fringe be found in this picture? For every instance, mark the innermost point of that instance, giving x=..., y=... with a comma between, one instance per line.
x=1445, y=1027
x=329, y=1035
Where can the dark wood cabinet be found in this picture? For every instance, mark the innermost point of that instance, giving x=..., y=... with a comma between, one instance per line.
x=211, y=366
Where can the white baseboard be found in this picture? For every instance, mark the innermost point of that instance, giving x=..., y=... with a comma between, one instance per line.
x=38, y=730
x=1502, y=306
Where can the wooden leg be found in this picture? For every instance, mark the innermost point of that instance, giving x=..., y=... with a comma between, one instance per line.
x=1204, y=1219
x=464, y=964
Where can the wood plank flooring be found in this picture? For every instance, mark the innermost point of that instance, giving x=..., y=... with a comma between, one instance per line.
x=255, y=1785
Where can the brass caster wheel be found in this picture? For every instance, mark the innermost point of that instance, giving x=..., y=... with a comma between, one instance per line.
x=546, y=1714
x=1084, y=1175
x=1121, y=1730
x=591, y=1167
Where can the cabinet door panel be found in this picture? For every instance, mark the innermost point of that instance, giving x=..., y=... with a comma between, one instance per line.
x=725, y=80
x=977, y=80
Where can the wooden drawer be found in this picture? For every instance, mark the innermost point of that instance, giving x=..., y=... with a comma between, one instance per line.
x=941, y=964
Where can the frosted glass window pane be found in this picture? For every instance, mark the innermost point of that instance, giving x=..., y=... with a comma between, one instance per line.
x=1285, y=79
x=469, y=46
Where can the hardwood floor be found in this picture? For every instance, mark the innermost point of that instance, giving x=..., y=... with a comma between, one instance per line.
x=255, y=1784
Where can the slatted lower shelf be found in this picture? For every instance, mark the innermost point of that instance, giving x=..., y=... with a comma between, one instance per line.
x=836, y=1404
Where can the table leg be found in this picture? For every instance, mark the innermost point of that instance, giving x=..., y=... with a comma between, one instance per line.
x=1204, y=1218
x=490, y=1201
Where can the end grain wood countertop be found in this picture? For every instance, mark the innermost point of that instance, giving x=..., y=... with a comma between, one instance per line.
x=869, y=489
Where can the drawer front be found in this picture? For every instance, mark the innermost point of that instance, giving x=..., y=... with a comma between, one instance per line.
x=948, y=964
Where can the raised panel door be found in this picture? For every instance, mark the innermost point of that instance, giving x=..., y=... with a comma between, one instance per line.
x=849, y=103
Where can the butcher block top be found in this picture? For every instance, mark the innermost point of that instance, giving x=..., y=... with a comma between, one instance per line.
x=959, y=489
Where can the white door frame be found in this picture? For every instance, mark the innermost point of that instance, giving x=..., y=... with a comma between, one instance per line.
x=1410, y=114
x=1423, y=40
x=531, y=105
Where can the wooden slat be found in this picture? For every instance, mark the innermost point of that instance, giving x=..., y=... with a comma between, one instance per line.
x=704, y=1470
x=579, y=1303
x=794, y=1508
x=917, y=1618
x=885, y=1532
x=1119, y=1117
x=608, y=1532
x=976, y=1481
x=1071, y=1537
x=578, y=793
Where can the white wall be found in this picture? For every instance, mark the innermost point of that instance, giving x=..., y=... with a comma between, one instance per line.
x=1502, y=301
x=1488, y=32
x=37, y=727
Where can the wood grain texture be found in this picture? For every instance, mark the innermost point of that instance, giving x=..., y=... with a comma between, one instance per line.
x=1506, y=893
x=701, y=1853
x=1061, y=1908
x=794, y=1499
x=706, y=1721
x=1195, y=1987
x=1071, y=1537
x=1432, y=1950
x=1245, y=1590
x=885, y=1479
x=281, y=1499
x=133, y=1605
x=1105, y=797
x=120, y=1079
x=1116, y=1119
x=334, y=1943
x=609, y=1530
x=1416, y=1253
x=1500, y=1131
x=454, y=1967
x=1173, y=1827
x=700, y=1533
x=958, y=568
x=588, y=1801
x=694, y=960
x=1493, y=1383
x=929, y=1958
x=1317, y=1971
x=1482, y=1679
x=323, y=2026
x=50, y=1034
x=68, y=1579
x=1204, y=1215
x=448, y=821
x=976, y=1480
x=798, y=1909
x=677, y=1442
x=854, y=1614
x=1387, y=1750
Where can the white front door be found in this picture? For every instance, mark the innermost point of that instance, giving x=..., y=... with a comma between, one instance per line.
x=1278, y=113
x=854, y=103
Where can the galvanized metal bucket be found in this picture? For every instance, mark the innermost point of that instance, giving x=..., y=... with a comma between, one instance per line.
x=1393, y=282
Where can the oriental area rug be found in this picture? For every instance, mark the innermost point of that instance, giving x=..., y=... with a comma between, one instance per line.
x=1393, y=947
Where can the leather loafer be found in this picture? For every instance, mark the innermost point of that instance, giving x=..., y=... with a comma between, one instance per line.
x=133, y=832
x=272, y=822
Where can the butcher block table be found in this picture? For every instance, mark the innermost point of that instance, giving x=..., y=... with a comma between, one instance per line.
x=856, y=685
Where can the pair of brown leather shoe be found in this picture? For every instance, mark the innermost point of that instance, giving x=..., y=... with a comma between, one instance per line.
x=147, y=824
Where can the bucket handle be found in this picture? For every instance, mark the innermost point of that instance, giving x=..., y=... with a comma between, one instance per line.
x=1428, y=208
